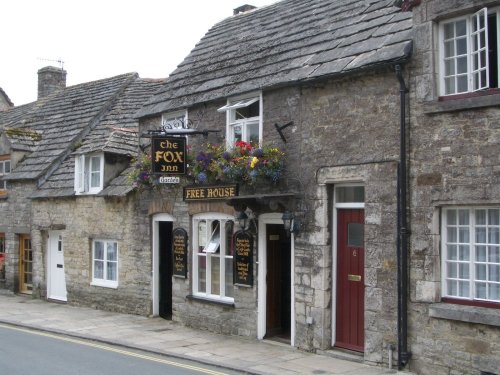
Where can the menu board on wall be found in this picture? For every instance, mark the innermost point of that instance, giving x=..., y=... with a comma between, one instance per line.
x=243, y=259
x=180, y=253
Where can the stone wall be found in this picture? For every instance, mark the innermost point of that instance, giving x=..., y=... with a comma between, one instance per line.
x=81, y=220
x=454, y=160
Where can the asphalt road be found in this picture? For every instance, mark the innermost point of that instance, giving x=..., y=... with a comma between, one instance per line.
x=26, y=352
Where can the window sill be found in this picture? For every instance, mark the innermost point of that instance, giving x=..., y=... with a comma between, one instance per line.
x=209, y=300
x=489, y=98
x=463, y=313
x=105, y=285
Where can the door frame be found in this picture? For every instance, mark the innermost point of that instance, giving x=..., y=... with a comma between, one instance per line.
x=155, y=271
x=336, y=207
x=264, y=219
x=52, y=234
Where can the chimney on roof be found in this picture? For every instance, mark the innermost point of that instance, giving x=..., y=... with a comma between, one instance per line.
x=50, y=79
x=243, y=9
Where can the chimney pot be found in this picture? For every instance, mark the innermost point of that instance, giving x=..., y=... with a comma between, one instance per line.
x=50, y=79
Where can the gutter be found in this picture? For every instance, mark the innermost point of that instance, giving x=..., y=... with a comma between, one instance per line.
x=403, y=233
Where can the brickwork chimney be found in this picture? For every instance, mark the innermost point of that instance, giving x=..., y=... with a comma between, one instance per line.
x=50, y=79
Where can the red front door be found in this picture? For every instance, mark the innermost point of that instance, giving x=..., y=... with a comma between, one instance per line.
x=350, y=280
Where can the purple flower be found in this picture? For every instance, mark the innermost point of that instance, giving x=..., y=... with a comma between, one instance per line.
x=226, y=155
x=202, y=177
x=257, y=152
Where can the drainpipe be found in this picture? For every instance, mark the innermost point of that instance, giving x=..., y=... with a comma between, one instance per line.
x=403, y=233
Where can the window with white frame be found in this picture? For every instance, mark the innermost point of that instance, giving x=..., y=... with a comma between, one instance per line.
x=471, y=254
x=213, y=251
x=174, y=120
x=89, y=173
x=4, y=170
x=469, y=59
x=244, y=120
x=105, y=263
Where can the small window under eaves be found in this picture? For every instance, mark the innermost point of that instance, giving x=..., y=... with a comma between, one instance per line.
x=238, y=104
x=214, y=243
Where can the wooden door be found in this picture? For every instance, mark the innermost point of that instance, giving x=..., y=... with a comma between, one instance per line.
x=165, y=271
x=350, y=280
x=278, y=280
x=25, y=264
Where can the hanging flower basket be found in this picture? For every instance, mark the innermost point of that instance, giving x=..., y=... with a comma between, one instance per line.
x=141, y=175
x=244, y=164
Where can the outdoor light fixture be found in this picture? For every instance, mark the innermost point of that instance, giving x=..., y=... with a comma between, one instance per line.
x=242, y=219
x=291, y=224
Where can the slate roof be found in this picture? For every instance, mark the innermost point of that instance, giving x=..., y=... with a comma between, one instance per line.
x=63, y=118
x=19, y=137
x=6, y=98
x=284, y=43
x=115, y=132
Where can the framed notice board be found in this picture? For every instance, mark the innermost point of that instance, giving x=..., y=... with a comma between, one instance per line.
x=243, y=259
x=180, y=252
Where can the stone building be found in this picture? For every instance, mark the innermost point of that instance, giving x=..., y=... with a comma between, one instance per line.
x=37, y=142
x=454, y=189
x=318, y=81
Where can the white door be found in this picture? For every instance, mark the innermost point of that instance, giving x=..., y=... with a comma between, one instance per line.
x=56, y=281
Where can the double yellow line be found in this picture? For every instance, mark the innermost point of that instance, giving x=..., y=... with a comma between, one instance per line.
x=115, y=350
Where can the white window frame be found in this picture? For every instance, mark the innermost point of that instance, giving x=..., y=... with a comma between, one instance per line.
x=105, y=281
x=83, y=173
x=4, y=172
x=208, y=251
x=233, y=104
x=459, y=270
x=176, y=115
x=473, y=76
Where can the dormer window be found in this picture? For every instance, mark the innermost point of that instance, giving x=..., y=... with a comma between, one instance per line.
x=89, y=172
x=243, y=119
x=4, y=170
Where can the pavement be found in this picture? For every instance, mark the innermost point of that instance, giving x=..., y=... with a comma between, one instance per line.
x=156, y=335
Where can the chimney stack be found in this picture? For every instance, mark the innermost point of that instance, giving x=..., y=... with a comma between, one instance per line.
x=50, y=79
x=243, y=9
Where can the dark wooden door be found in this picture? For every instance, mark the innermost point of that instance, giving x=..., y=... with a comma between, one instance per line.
x=278, y=278
x=165, y=265
x=350, y=280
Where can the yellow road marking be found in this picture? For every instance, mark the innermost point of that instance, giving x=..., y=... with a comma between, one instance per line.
x=115, y=350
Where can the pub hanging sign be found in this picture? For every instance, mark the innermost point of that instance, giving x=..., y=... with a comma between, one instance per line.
x=168, y=155
x=243, y=259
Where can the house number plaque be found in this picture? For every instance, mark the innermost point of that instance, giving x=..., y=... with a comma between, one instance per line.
x=179, y=252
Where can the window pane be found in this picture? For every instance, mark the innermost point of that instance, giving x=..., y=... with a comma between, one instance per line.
x=2, y=167
x=452, y=288
x=253, y=133
x=463, y=288
x=494, y=292
x=463, y=271
x=355, y=234
x=111, y=271
x=449, y=67
x=462, y=83
x=494, y=217
x=95, y=179
x=452, y=271
x=463, y=252
x=451, y=217
x=481, y=253
x=7, y=167
x=461, y=28
x=237, y=133
x=347, y=194
x=449, y=30
x=112, y=253
x=463, y=235
x=481, y=272
x=449, y=49
x=215, y=274
x=449, y=85
x=463, y=217
x=452, y=252
x=202, y=274
x=494, y=235
x=494, y=254
x=98, y=269
x=99, y=250
x=95, y=164
x=494, y=272
x=480, y=217
x=229, y=237
x=481, y=235
x=461, y=46
x=481, y=290
x=229, y=278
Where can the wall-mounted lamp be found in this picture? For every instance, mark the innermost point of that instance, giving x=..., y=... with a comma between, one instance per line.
x=291, y=223
x=242, y=220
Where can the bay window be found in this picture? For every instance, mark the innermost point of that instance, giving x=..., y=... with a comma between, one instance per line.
x=213, y=256
x=471, y=254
